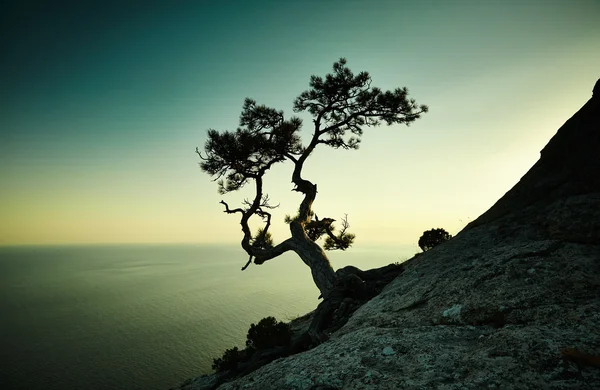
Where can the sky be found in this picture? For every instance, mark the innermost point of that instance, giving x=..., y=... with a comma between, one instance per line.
x=103, y=105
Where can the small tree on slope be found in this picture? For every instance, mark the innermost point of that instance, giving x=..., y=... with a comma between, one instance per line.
x=432, y=238
x=342, y=104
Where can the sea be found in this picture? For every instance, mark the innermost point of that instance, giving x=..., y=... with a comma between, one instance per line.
x=143, y=316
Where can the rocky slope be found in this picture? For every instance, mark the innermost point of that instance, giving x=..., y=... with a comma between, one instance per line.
x=512, y=302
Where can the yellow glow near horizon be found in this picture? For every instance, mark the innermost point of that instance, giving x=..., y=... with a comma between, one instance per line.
x=103, y=152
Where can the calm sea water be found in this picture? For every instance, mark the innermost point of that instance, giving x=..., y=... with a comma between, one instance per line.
x=141, y=317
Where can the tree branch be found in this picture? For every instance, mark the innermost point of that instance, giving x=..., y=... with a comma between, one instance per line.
x=229, y=211
x=291, y=158
x=262, y=255
x=247, y=264
x=199, y=154
x=343, y=240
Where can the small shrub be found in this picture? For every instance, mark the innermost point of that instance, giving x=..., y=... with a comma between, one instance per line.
x=229, y=361
x=268, y=333
x=432, y=238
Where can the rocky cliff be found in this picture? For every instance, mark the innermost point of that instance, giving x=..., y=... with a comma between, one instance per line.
x=512, y=302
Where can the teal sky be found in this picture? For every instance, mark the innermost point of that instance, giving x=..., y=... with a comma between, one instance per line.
x=103, y=105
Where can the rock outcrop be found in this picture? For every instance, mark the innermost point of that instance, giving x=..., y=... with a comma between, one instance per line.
x=512, y=302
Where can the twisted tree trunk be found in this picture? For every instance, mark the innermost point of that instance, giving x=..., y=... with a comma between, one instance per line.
x=313, y=256
x=309, y=252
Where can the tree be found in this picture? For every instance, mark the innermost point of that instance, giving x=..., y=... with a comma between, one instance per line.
x=432, y=238
x=341, y=105
x=268, y=333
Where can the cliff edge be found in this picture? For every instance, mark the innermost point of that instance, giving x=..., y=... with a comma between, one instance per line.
x=512, y=302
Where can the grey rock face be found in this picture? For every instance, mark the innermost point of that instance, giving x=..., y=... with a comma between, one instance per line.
x=468, y=314
x=512, y=302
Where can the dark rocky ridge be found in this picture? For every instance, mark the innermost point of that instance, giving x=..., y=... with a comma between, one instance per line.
x=569, y=165
x=512, y=302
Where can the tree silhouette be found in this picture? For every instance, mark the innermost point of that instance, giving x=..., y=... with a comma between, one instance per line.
x=432, y=238
x=341, y=105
